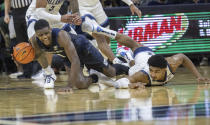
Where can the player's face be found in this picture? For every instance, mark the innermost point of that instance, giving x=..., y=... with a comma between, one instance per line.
x=157, y=73
x=44, y=35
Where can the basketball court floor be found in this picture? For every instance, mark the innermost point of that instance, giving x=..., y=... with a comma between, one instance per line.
x=182, y=101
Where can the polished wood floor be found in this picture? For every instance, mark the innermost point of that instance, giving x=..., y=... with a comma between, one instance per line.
x=182, y=101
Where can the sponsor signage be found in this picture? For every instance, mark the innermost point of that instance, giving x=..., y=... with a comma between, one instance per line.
x=168, y=33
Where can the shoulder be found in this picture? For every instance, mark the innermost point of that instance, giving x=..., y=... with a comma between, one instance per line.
x=63, y=38
x=175, y=61
x=62, y=34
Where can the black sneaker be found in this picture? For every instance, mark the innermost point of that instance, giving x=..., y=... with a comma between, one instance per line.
x=23, y=76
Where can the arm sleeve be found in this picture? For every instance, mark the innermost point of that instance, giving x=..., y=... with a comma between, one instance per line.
x=128, y=2
x=42, y=14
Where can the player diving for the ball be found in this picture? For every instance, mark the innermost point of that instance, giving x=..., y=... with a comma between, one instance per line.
x=76, y=50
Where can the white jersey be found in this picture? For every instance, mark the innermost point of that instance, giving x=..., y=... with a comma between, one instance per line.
x=52, y=7
x=30, y=12
x=141, y=56
x=88, y=3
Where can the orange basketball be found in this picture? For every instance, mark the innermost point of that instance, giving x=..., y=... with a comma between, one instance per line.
x=23, y=53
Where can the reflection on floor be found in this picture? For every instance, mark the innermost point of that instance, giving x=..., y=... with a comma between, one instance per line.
x=182, y=101
x=127, y=114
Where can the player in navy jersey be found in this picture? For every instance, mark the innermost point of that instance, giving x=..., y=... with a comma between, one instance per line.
x=76, y=50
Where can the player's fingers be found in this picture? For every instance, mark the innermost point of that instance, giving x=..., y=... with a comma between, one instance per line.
x=139, y=14
x=133, y=12
x=65, y=90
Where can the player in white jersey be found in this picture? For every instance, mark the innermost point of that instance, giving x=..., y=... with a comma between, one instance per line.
x=93, y=15
x=156, y=70
x=49, y=10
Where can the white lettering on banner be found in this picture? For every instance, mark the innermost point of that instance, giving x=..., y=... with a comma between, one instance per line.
x=204, y=26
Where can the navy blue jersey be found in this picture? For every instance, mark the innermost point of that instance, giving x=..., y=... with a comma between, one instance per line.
x=87, y=53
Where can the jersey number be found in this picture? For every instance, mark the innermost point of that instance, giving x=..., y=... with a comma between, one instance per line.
x=51, y=9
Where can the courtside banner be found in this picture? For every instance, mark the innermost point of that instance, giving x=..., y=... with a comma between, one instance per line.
x=187, y=32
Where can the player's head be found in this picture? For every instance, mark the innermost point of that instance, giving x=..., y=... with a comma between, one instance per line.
x=43, y=31
x=157, y=67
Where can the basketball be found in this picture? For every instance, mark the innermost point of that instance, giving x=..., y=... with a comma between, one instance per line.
x=23, y=53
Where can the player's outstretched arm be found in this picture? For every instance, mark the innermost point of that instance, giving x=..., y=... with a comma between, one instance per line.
x=180, y=59
x=137, y=80
x=42, y=13
x=65, y=42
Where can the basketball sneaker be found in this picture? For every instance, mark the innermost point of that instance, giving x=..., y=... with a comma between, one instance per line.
x=41, y=75
x=15, y=75
x=122, y=83
x=117, y=60
x=126, y=54
x=38, y=75
x=49, y=81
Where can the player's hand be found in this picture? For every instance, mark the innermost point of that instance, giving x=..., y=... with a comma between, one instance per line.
x=6, y=19
x=76, y=19
x=67, y=18
x=203, y=80
x=137, y=85
x=134, y=10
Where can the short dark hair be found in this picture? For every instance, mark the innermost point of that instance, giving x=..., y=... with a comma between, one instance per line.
x=157, y=61
x=40, y=24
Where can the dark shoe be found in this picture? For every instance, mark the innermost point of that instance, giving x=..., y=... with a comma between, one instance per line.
x=94, y=78
x=23, y=77
x=204, y=62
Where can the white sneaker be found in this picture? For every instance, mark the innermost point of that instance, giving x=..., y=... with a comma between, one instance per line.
x=126, y=54
x=118, y=61
x=49, y=82
x=122, y=83
x=41, y=75
x=15, y=75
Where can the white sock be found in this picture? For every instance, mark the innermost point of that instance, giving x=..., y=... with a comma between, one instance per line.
x=91, y=27
x=48, y=70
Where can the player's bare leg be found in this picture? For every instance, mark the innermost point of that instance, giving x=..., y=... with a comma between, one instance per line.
x=104, y=46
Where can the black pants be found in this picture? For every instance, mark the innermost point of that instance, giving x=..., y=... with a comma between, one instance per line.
x=21, y=35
